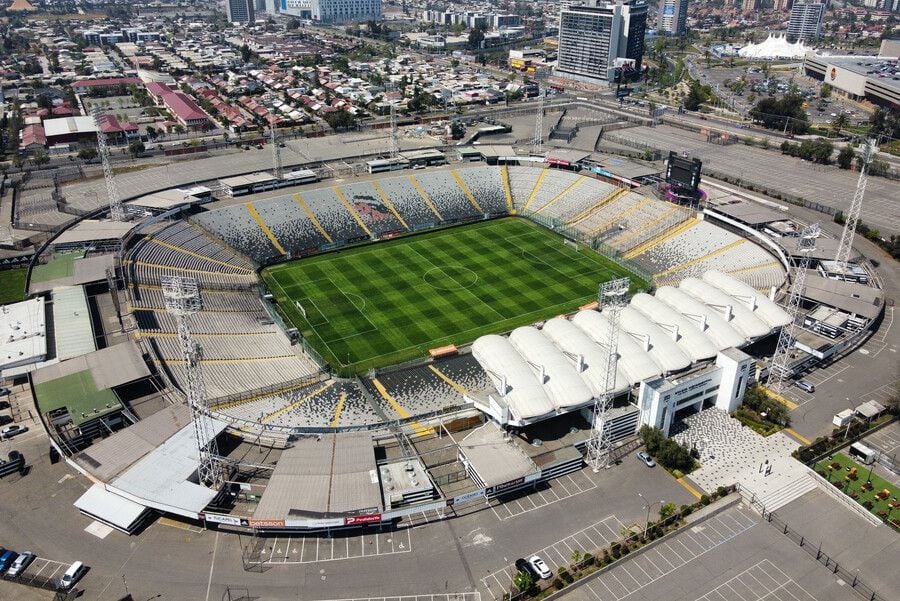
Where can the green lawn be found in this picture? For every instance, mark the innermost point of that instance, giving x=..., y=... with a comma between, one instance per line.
x=12, y=285
x=79, y=394
x=60, y=265
x=855, y=487
x=389, y=302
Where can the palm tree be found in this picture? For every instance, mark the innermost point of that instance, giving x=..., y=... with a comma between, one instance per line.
x=840, y=122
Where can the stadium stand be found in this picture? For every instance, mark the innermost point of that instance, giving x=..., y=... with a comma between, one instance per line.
x=485, y=184
x=237, y=227
x=555, y=185
x=572, y=202
x=340, y=220
x=607, y=219
x=375, y=209
x=409, y=203
x=522, y=181
x=447, y=196
x=291, y=225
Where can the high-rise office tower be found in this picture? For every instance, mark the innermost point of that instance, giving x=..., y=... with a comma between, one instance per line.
x=673, y=17
x=240, y=11
x=806, y=20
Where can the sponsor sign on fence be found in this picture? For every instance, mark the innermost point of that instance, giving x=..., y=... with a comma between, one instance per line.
x=266, y=523
x=358, y=520
x=230, y=520
x=465, y=498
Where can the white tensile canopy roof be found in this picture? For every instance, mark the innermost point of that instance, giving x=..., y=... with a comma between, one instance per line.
x=524, y=394
x=574, y=341
x=765, y=309
x=634, y=361
x=690, y=339
x=741, y=317
x=709, y=320
x=775, y=46
x=658, y=343
x=556, y=374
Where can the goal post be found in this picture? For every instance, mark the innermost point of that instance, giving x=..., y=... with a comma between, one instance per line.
x=570, y=243
x=300, y=308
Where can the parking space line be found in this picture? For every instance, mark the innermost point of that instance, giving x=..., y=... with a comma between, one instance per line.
x=593, y=592
x=630, y=575
x=614, y=596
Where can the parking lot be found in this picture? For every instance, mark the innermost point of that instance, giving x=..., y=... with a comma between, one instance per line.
x=595, y=536
x=42, y=573
x=312, y=549
x=546, y=494
x=762, y=581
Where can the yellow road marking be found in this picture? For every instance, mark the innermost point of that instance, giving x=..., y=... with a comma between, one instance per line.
x=449, y=381
x=708, y=255
x=603, y=201
x=798, y=436
x=398, y=408
x=504, y=174
x=198, y=255
x=568, y=189
x=789, y=404
x=659, y=239
x=424, y=196
x=312, y=217
x=465, y=190
x=265, y=228
x=387, y=202
x=338, y=410
x=297, y=403
x=537, y=185
x=621, y=214
x=690, y=488
x=352, y=211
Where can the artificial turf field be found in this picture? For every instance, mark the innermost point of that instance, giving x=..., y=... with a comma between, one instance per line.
x=391, y=301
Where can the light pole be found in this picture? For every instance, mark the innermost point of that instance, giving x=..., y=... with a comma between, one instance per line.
x=648, y=506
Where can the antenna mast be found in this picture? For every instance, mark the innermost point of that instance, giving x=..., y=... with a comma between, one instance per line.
x=537, y=143
x=276, y=152
x=845, y=249
x=116, y=211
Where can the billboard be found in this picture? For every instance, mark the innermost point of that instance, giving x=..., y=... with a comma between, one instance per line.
x=358, y=520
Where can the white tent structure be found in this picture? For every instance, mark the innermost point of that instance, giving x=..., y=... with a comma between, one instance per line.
x=775, y=46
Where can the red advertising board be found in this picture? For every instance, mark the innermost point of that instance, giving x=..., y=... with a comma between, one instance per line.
x=357, y=520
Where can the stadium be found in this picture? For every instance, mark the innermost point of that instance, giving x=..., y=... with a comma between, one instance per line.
x=394, y=345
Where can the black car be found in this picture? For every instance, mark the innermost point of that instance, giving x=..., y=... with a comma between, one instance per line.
x=522, y=565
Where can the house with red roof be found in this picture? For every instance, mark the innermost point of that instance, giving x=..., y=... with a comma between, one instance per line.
x=185, y=110
x=33, y=138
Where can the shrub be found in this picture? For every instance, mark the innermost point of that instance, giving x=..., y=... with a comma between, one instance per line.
x=722, y=491
x=868, y=504
x=704, y=500
x=686, y=510
x=588, y=559
x=677, y=474
x=616, y=550
x=558, y=584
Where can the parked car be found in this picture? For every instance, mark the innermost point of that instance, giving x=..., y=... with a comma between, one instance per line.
x=4, y=391
x=20, y=564
x=805, y=385
x=6, y=559
x=522, y=565
x=72, y=575
x=647, y=459
x=13, y=430
x=540, y=568
x=14, y=463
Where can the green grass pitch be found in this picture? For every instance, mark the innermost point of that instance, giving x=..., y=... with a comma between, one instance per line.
x=389, y=302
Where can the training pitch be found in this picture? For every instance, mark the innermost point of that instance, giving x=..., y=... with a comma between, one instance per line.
x=392, y=301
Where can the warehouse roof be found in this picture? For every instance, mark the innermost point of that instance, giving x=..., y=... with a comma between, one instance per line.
x=64, y=126
x=23, y=332
x=74, y=334
x=91, y=230
x=848, y=296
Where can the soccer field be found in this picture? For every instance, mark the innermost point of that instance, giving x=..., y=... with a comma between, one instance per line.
x=389, y=302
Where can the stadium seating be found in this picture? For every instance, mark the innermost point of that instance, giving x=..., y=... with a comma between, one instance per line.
x=409, y=203
x=446, y=195
x=486, y=186
x=607, y=220
x=335, y=218
x=237, y=227
x=649, y=220
x=587, y=193
x=522, y=181
x=372, y=208
x=290, y=225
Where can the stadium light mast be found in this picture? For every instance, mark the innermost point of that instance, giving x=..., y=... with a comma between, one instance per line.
x=395, y=143
x=780, y=369
x=845, y=248
x=182, y=299
x=613, y=296
x=276, y=152
x=537, y=143
x=116, y=211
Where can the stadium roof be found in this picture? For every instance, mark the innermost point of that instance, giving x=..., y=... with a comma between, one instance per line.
x=162, y=478
x=167, y=199
x=709, y=320
x=659, y=344
x=634, y=361
x=524, y=395
x=574, y=341
x=734, y=311
x=109, y=457
x=74, y=334
x=747, y=212
x=248, y=179
x=858, y=299
x=23, y=333
x=110, y=367
x=91, y=230
x=493, y=458
x=761, y=306
x=697, y=345
x=110, y=508
x=78, y=271
x=563, y=385
x=319, y=476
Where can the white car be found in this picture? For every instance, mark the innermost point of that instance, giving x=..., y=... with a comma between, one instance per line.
x=13, y=430
x=540, y=568
x=19, y=565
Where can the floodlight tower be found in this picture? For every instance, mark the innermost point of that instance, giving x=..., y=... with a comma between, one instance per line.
x=537, y=143
x=780, y=370
x=116, y=212
x=182, y=298
x=845, y=248
x=613, y=296
x=276, y=152
x=395, y=143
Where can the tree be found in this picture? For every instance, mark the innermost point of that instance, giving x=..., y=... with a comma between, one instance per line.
x=667, y=510
x=246, y=54
x=523, y=580
x=845, y=157
x=840, y=122
x=40, y=157
x=825, y=91
x=88, y=153
x=476, y=37
x=136, y=148
x=457, y=130
x=782, y=113
x=697, y=95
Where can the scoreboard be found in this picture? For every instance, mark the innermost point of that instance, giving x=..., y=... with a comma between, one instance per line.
x=683, y=173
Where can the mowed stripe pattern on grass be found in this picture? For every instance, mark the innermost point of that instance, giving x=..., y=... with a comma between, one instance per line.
x=388, y=302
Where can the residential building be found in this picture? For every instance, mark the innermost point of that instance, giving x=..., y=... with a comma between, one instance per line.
x=782, y=5
x=673, y=17
x=241, y=11
x=750, y=5
x=806, y=20
x=597, y=37
x=333, y=11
